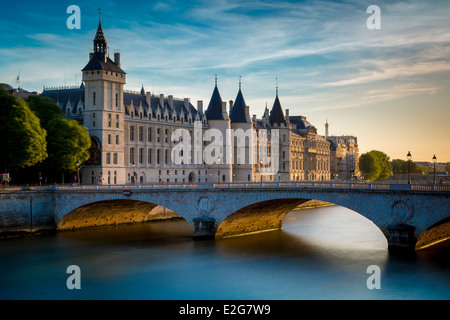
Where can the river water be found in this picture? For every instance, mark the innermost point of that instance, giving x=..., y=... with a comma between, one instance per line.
x=321, y=253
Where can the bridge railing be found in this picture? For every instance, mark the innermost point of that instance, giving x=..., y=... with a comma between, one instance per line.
x=252, y=185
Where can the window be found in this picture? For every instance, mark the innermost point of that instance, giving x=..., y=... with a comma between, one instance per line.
x=131, y=155
x=108, y=158
x=141, y=134
x=117, y=100
x=109, y=120
x=117, y=139
x=109, y=177
x=115, y=177
x=166, y=136
x=115, y=158
x=166, y=156
x=158, y=131
x=109, y=139
x=117, y=121
x=149, y=156
x=158, y=156
x=94, y=99
x=150, y=131
x=93, y=119
x=132, y=133
x=141, y=155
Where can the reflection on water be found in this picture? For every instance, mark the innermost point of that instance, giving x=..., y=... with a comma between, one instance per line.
x=320, y=254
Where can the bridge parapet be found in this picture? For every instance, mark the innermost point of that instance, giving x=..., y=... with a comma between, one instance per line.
x=265, y=185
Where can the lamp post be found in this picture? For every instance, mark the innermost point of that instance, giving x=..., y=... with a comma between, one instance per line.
x=409, y=157
x=434, y=170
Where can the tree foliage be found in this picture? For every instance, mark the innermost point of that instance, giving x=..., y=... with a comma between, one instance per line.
x=67, y=140
x=402, y=166
x=375, y=165
x=22, y=138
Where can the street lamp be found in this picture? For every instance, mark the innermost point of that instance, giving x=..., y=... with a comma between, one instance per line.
x=409, y=157
x=434, y=171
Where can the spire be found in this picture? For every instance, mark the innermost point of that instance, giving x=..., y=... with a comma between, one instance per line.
x=276, y=114
x=326, y=128
x=100, y=46
x=240, y=112
x=143, y=90
x=276, y=80
x=214, y=111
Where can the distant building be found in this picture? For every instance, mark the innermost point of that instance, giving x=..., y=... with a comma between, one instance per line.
x=344, y=157
x=19, y=92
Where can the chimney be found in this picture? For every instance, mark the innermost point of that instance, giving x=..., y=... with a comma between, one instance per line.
x=254, y=119
x=148, y=100
x=161, y=100
x=224, y=107
x=91, y=55
x=287, y=115
x=170, y=100
x=247, y=113
x=231, y=105
x=117, y=59
x=200, y=106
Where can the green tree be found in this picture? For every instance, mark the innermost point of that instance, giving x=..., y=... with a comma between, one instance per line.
x=67, y=140
x=369, y=166
x=375, y=165
x=384, y=163
x=22, y=138
x=402, y=167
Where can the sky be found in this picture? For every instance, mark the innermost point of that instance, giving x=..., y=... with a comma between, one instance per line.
x=389, y=87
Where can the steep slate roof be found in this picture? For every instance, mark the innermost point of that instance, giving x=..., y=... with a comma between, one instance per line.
x=97, y=63
x=64, y=96
x=139, y=99
x=276, y=114
x=239, y=112
x=214, y=111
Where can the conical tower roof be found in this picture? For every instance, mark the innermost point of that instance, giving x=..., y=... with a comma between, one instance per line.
x=239, y=113
x=214, y=111
x=276, y=114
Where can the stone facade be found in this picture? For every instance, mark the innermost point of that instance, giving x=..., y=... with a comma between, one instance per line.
x=132, y=132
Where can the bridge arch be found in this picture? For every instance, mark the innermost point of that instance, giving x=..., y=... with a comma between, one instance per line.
x=264, y=212
x=107, y=210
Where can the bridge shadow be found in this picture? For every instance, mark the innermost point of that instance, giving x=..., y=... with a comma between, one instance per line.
x=113, y=213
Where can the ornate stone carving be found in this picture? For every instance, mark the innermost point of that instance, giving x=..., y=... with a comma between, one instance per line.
x=402, y=212
x=205, y=205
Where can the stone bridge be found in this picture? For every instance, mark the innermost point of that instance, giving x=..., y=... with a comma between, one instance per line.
x=403, y=213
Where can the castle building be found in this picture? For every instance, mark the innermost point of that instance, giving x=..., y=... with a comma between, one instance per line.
x=131, y=132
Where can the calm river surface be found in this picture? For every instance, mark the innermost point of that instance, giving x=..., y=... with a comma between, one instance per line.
x=321, y=253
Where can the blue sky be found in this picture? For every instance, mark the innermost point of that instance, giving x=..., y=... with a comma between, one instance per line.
x=389, y=87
